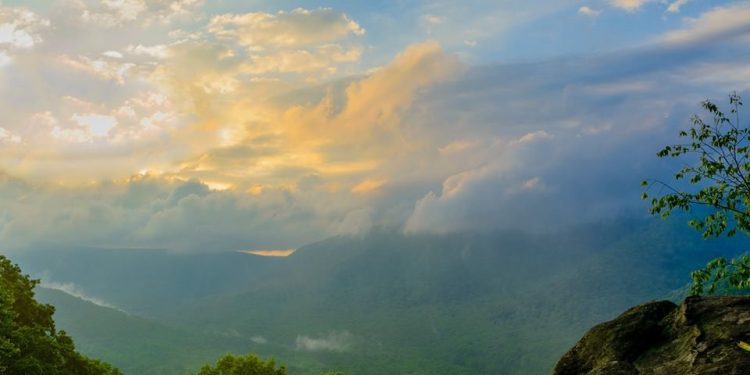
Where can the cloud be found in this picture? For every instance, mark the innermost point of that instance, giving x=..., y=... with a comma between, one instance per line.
x=368, y=186
x=113, y=54
x=377, y=99
x=155, y=212
x=8, y=137
x=675, y=6
x=73, y=290
x=300, y=27
x=334, y=342
x=158, y=51
x=298, y=41
x=118, y=13
x=320, y=136
x=259, y=340
x=629, y=5
x=21, y=28
x=322, y=58
x=97, y=125
x=586, y=11
x=104, y=69
x=478, y=199
x=214, y=140
x=720, y=23
x=533, y=137
x=432, y=19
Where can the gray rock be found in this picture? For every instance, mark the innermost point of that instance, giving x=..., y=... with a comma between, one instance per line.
x=698, y=337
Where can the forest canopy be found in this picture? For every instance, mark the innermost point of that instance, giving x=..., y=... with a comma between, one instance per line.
x=29, y=342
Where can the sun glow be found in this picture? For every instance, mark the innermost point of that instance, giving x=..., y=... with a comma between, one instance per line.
x=270, y=253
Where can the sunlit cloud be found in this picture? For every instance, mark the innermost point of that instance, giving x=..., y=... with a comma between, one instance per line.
x=116, y=13
x=129, y=121
x=629, y=5
x=299, y=27
x=369, y=185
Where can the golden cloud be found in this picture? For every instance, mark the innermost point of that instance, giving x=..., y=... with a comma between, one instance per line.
x=296, y=28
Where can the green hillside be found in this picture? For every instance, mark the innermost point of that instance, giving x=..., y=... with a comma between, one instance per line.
x=501, y=303
x=137, y=345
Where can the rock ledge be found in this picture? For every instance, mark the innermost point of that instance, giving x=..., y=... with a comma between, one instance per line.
x=699, y=337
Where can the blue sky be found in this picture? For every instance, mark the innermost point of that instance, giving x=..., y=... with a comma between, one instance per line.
x=229, y=125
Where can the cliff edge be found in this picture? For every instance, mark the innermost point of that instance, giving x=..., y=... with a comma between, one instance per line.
x=700, y=337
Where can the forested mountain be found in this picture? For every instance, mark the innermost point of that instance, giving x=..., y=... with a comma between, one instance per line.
x=386, y=302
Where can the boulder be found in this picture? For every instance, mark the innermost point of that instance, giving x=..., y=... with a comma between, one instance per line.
x=700, y=337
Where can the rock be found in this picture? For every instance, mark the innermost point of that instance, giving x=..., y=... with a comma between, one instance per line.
x=698, y=337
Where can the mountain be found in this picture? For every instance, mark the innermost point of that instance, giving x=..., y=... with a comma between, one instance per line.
x=386, y=302
x=144, y=281
x=137, y=345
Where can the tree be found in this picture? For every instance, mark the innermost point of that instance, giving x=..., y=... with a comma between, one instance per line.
x=246, y=365
x=719, y=174
x=239, y=365
x=29, y=342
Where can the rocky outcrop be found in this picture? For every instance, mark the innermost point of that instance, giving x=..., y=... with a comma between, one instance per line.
x=699, y=337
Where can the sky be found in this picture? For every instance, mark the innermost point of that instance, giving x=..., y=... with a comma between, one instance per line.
x=225, y=125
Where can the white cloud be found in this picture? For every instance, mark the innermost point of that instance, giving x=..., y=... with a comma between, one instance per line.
x=7, y=137
x=334, y=342
x=97, y=125
x=20, y=28
x=586, y=11
x=158, y=51
x=533, y=183
x=448, y=211
x=17, y=38
x=724, y=22
x=113, y=54
x=71, y=135
x=675, y=6
x=73, y=290
x=259, y=340
x=432, y=19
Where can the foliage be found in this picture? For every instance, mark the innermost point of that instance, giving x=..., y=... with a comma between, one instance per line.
x=721, y=175
x=721, y=274
x=29, y=342
x=239, y=365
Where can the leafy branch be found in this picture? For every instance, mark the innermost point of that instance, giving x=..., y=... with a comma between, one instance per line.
x=721, y=176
